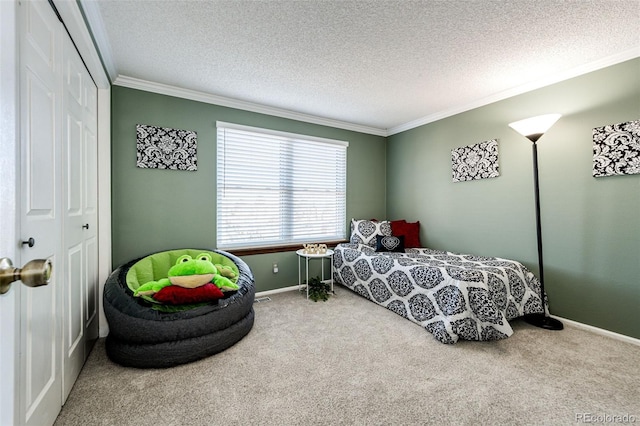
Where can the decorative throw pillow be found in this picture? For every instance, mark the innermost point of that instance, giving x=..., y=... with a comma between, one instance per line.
x=394, y=244
x=176, y=295
x=410, y=231
x=365, y=231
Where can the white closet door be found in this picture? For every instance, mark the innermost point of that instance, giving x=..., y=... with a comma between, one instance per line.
x=79, y=214
x=58, y=210
x=90, y=233
x=40, y=381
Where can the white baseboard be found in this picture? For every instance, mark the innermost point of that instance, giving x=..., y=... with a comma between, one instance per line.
x=276, y=291
x=600, y=331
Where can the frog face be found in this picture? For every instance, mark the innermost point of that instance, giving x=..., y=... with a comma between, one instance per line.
x=190, y=273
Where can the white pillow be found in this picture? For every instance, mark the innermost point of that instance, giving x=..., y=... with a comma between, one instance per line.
x=365, y=231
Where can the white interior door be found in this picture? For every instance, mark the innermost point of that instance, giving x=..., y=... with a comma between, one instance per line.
x=80, y=214
x=90, y=231
x=8, y=214
x=40, y=380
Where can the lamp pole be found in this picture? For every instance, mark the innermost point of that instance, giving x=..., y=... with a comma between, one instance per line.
x=540, y=320
x=536, y=189
x=533, y=128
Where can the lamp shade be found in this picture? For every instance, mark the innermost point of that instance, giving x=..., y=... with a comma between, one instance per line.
x=533, y=128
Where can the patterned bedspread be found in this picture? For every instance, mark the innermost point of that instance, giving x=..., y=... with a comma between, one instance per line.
x=454, y=296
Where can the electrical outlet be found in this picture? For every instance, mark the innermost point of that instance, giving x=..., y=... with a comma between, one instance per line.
x=275, y=268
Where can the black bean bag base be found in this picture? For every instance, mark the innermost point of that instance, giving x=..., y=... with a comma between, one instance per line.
x=142, y=337
x=172, y=353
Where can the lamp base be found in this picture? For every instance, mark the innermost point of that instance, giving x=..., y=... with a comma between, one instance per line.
x=543, y=321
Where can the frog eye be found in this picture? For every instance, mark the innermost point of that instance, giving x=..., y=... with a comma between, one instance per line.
x=204, y=256
x=183, y=259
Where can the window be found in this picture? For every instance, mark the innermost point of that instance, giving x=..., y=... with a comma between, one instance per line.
x=276, y=188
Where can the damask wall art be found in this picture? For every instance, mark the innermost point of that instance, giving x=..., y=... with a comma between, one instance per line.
x=479, y=161
x=166, y=148
x=616, y=149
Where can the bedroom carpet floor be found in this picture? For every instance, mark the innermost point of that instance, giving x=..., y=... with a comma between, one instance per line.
x=348, y=361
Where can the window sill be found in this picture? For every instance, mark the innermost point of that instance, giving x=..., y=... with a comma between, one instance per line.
x=278, y=249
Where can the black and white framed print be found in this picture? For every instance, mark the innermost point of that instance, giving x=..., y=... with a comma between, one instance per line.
x=616, y=149
x=166, y=148
x=479, y=161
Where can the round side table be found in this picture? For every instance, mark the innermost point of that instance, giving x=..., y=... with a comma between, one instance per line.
x=307, y=256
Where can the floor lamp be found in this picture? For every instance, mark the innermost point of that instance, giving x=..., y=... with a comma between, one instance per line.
x=533, y=128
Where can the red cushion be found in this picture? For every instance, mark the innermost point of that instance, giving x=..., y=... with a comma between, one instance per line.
x=410, y=231
x=176, y=295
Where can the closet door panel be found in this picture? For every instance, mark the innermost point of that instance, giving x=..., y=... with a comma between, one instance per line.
x=90, y=233
x=80, y=215
x=41, y=120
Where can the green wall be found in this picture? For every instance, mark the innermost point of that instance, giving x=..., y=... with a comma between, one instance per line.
x=154, y=210
x=590, y=226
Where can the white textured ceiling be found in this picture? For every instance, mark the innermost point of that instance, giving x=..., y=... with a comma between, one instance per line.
x=384, y=64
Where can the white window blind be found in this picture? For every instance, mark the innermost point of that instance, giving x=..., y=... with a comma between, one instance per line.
x=276, y=188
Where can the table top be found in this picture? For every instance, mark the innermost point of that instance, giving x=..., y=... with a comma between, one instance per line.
x=328, y=253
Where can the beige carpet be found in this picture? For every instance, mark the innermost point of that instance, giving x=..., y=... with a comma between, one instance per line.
x=348, y=361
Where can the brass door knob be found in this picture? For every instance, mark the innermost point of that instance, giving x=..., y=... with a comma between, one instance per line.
x=35, y=273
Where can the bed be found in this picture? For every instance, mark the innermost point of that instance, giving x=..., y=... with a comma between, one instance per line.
x=453, y=296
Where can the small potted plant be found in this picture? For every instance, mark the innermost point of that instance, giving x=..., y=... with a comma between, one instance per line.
x=318, y=290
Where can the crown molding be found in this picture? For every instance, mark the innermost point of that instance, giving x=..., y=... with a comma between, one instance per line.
x=179, y=92
x=164, y=89
x=555, y=78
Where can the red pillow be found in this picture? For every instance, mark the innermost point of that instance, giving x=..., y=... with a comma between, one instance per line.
x=176, y=295
x=410, y=231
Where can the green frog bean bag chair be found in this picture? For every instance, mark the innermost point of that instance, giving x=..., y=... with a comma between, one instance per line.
x=177, y=306
x=190, y=280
